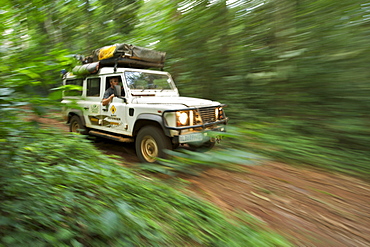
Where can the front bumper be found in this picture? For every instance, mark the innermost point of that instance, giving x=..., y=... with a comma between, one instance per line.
x=201, y=136
x=196, y=134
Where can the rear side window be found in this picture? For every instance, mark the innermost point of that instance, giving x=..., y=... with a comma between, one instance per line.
x=93, y=87
x=74, y=91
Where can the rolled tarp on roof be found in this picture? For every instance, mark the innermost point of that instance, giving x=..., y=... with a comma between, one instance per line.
x=129, y=51
x=86, y=69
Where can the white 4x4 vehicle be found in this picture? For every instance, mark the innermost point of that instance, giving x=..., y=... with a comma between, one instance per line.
x=146, y=109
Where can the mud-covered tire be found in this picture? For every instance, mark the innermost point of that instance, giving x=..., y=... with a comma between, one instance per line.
x=76, y=126
x=202, y=148
x=150, y=143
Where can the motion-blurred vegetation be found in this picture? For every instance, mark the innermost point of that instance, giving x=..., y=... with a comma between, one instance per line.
x=293, y=72
x=296, y=68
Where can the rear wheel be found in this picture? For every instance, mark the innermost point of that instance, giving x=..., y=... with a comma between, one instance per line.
x=77, y=126
x=150, y=143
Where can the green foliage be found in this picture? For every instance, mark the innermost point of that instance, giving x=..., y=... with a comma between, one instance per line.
x=293, y=142
x=80, y=26
x=296, y=68
x=305, y=61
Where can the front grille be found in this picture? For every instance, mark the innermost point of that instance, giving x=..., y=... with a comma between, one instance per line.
x=207, y=114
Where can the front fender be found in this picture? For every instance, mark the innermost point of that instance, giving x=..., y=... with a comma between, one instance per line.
x=77, y=112
x=146, y=118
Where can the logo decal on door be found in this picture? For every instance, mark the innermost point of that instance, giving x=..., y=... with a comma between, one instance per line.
x=94, y=109
x=113, y=109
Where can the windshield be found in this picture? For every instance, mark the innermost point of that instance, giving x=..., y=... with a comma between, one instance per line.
x=144, y=80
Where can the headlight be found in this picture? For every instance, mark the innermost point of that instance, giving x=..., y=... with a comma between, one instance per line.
x=219, y=113
x=182, y=118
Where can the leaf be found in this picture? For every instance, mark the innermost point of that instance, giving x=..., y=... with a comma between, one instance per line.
x=75, y=243
x=6, y=91
x=28, y=73
x=57, y=95
x=64, y=234
x=109, y=222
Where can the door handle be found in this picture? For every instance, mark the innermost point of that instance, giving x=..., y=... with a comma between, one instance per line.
x=86, y=108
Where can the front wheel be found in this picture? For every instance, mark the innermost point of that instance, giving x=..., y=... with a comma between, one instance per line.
x=150, y=143
x=77, y=126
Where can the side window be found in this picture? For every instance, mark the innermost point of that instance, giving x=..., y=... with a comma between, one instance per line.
x=74, y=91
x=93, y=87
x=107, y=83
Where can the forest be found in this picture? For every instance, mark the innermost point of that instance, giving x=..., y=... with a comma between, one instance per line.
x=294, y=74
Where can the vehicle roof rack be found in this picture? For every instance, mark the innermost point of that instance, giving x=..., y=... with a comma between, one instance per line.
x=120, y=56
x=124, y=62
x=93, y=68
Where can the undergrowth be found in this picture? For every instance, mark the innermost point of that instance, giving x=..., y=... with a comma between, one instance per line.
x=296, y=142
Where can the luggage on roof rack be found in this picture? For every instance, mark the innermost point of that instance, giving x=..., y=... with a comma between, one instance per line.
x=125, y=55
x=120, y=55
x=86, y=69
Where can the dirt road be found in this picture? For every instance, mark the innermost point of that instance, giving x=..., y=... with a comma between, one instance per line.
x=310, y=208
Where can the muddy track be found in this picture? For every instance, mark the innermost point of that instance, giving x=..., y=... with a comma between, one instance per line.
x=310, y=208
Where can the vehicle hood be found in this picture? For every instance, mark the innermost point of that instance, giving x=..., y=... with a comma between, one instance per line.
x=184, y=101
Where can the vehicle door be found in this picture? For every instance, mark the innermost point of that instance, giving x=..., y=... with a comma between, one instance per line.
x=113, y=116
x=92, y=103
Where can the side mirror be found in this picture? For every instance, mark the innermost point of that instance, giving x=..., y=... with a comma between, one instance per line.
x=117, y=90
x=118, y=93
